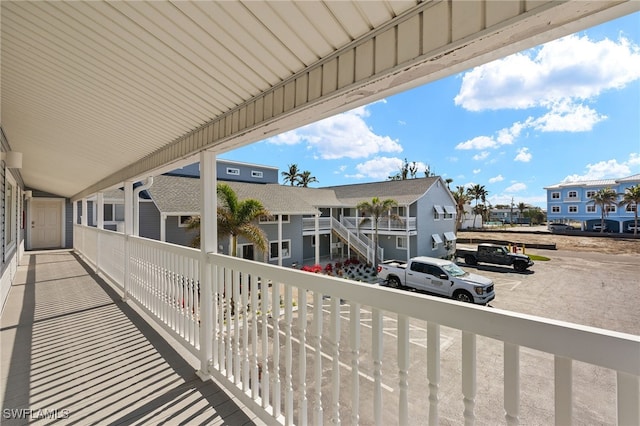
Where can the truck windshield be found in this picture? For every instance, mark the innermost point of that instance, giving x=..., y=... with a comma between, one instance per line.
x=454, y=270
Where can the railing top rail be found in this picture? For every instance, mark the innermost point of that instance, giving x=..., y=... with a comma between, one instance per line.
x=172, y=248
x=610, y=349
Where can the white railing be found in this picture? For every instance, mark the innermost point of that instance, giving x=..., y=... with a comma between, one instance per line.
x=384, y=223
x=358, y=242
x=291, y=346
x=309, y=224
x=162, y=278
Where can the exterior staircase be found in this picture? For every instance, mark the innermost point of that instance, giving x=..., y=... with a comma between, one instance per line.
x=360, y=243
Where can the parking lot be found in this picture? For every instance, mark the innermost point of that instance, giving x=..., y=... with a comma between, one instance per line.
x=584, y=288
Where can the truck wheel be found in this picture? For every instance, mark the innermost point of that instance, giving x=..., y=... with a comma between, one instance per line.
x=463, y=296
x=394, y=282
x=470, y=260
x=520, y=266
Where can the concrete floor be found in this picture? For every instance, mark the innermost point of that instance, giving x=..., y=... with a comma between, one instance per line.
x=72, y=350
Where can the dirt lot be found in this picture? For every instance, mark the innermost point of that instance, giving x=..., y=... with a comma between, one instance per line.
x=596, y=244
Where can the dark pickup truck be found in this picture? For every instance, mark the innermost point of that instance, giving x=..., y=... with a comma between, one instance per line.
x=493, y=253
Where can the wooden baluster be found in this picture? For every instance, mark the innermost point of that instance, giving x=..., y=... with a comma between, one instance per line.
x=563, y=395
x=288, y=349
x=255, y=362
x=433, y=370
x=354, y=343
x=246, y=289
x=334, y=339
x=469, y=384
x=511, y=383
x=403, y=369
x=302, y=356
x=275, y=307
x=377, y=332
x=264, y=301
x=317, y=362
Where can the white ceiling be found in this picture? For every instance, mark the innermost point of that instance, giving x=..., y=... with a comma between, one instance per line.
x=90, y=87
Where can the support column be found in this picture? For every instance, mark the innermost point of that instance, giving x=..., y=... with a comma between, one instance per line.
x=280, y=240
x=100, y=225
x=75, y=212
x=317, y=236
x=163, y=227
x=208, y=244
x=128, y=230
x=84, y=219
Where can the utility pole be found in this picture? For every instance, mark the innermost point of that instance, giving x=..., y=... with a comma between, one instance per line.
x=511, y=218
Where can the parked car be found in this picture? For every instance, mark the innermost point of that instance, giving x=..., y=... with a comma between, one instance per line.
x=597, y=227
x=632, y=228
x=493, y=253
x=437, y=276
x=560, y=227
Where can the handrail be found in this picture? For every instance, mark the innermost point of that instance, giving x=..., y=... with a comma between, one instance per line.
x=256, y=336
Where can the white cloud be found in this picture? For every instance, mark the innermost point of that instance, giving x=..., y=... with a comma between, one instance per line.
x=570, y=68
x=479, y=142
x=498, y=178
x=568, y=117
x=379, y=168
x=609, y=169
x=344, y=135
x=516, y=187
x=483, y=155
x=523, y=155
x=476, y=171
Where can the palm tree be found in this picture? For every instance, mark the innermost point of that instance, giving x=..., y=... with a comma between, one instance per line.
x=292, y=175
x=448, y=181
x=605, y=198
x=630, y=200
x=305, y=178
x=375, y=210
x=462, y=198
x=522, y=207
x=477, y=192
x=236, y=218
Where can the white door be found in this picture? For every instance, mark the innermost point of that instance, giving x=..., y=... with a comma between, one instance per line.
x=46, y=224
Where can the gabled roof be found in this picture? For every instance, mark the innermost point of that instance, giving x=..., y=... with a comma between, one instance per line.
x=404, y=192
x=177, y=194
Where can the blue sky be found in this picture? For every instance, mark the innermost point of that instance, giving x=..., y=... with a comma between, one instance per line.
x=566, y=110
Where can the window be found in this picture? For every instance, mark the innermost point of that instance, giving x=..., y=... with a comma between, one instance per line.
x=273, y=249
x=573, y=209
x=631, y=207
x=610, y=209
x=183, y=221
x=113, y=212
x=555, y=209
x=274, y=219
x=233, y=171
x=437, y=212
x=449, y=212
x=573, y=194
x=401, y=243
x=10, y=213
x=401, y=211
x=256, y=174
x=591, y=208
x=435, y=240
x=555, y=195
x=590, y=193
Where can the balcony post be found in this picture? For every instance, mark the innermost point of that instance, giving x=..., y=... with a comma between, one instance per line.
x=208, y=244
x=317, y=236
x=128, y=230
x=100, y=225
x=84, y=221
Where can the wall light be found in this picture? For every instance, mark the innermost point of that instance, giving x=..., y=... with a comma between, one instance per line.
x=12, y=159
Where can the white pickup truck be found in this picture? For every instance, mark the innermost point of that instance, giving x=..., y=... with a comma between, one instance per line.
x=437, y=276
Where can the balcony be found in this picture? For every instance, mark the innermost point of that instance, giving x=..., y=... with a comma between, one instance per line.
x=351, y=223
x=290, y=347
